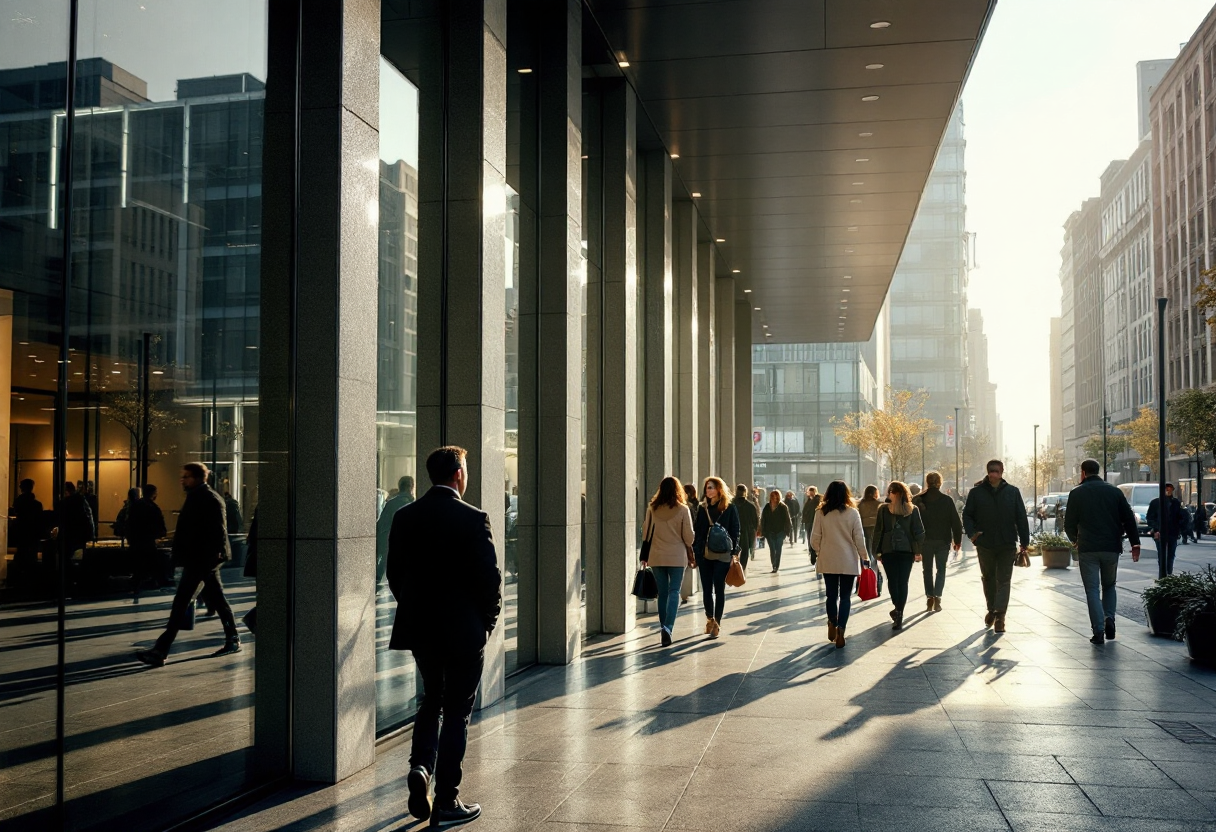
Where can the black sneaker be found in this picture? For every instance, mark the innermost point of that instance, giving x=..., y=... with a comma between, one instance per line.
x=150, y=657
x=419, y=783
x=231, y=646
x=455, y=815
x=666, y=637
x=1110, y=627
x=1097, y=638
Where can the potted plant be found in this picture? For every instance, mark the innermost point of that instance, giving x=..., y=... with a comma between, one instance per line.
x=1197, y=619
x=1055, y=548
x=1164, y=599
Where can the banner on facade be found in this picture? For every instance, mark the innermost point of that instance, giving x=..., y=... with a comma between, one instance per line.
x=949, y=433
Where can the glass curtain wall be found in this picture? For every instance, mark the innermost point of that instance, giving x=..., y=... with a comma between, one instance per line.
x=156, y=181
x=397, y=682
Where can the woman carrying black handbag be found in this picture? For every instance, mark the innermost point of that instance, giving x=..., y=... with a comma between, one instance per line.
x=667, y=530
x=715, y=543
x=898, y=533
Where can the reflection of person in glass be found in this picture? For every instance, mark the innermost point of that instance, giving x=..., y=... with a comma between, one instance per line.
x=443, y=571
x=75, y=520
x=200, y=547
x=143, y=525
x=27, y=527
x=403, y=497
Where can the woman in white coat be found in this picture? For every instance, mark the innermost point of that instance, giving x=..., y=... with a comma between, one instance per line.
x=840, y=540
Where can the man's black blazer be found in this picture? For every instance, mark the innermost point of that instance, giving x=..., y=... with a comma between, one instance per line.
x=443, y=571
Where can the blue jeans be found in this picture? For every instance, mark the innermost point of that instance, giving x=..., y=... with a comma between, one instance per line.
x=713, y=586
x=839, y=587
x=668, y=578
x=1098, y=571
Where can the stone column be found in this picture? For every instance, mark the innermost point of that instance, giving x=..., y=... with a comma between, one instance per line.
x=707, y=391
x=619, y=346
x=462, y=260
x=684, y=264
x=743, y=392
x=551, y=412
x=317, y=529
x=724, y=292
x=660, y=341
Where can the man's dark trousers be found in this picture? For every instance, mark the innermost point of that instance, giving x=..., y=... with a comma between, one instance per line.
x=187, y=588
x=996, y=569
x=1165, y=556
x=449, y=689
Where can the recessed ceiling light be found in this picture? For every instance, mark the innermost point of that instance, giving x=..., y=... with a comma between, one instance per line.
x=765, y=326
x=747, y=291
x=844, y=317
x=869, y=98
x=675, y=155
x=757, y=308
x=875, y=66
x=158, y=372
x=855, y=201
x=696, y=194
x=582, y=157
x=852, y=228
x=846, y=289
x=523, y=70
x=880, y=24
x=861, y=160
x=859, y=183
x=848, y=277
x=848, y=251
x=865, y=135
x=720, y=240
x=623, y=64
x=734, y=271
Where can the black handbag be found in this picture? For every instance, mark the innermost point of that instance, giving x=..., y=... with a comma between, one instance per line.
x=646, y=543
x=644, y=585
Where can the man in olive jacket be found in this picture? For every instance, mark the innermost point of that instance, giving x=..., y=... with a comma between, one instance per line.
x=943, y=527
x=443, y=571
x=1098, y=517
x=200, y=547
x=994, y=519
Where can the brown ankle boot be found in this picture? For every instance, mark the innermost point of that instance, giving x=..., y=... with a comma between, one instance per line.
x=709, y=626
x=839, y=637
x=998, y=626
x=831, y=631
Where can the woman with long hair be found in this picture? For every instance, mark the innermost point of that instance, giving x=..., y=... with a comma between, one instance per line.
x=898, y=533
x=867, y=507
x=694, y=508
x=838, y=538
x=713, y=563
x=775, y=526
x=668, y=527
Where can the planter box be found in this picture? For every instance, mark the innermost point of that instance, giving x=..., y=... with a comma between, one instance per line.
x=1056, y=557
x=1162, y=619
x=1201, y=639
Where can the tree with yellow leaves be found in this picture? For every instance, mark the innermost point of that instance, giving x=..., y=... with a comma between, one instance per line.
x=894, y=431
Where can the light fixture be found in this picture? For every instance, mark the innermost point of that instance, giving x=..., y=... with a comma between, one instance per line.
x=757, y=308
x=855, y=201
x=880, y=24
x=869, y=98
x=675, y=155
x=158, y=372
x=846, y=289
x=696, y=194
x=859, y=183
x=848, y=277
x=734, y=271
x=852, y=228
x=747, y=291
x=875, y=66
x=844, y=317
x=116, y=372
x=523, y=70
x=865, y=135
x=622, y=63
x=861, y=160
x=582, y=157
x=848, y=251
x=720, y=240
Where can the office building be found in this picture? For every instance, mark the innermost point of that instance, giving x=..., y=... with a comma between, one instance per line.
x=988, y=431
x=1082, y=332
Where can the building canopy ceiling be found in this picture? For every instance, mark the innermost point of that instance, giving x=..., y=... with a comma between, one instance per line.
x=808, y=129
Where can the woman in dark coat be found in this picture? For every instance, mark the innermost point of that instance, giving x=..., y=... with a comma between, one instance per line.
x=694, y=508
x=717, y=510
x=775, y=526
x=749, y=523
x=898, y=534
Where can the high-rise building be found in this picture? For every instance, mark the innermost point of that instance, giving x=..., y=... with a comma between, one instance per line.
x=986, y=419
x=929, y=292
x=1148, y=78
x=1081, y=329
x=1055, y=438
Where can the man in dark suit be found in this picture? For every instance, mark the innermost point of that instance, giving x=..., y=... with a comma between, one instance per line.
x=443, y=571
x=1170, y=521
x=200, y=547
x=403, y=497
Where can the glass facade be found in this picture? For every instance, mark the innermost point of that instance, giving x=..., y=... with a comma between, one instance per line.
x=130, y=252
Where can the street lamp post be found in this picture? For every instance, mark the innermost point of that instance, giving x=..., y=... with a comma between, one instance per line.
x=923, y=470
x=1166, y=531
x=1035, y=477
x=958, y=473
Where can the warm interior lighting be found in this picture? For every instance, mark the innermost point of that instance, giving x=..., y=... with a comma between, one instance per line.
x=720, y=240
x=675, y=155
x=696, y=194
x=523, y=70
x=747, y=291
x=875, y=66
x=869, y=98
x=865, y=135
x=734, y=271
x=881, y=24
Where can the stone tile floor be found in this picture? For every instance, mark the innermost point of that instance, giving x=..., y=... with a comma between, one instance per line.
x=943, y=726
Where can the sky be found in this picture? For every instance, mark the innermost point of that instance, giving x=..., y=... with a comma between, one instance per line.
x=1049, y=103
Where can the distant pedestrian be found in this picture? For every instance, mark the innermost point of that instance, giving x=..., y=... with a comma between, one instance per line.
x=868, y=509
x=898, y=533
x=75, y=521
x=810, y=511
x=994, y=519
x=668, y=527
x=758, y=500
x=200, y=547
x=443, y=572
x=943, y=528
x=749, y=523
x=688, y=584
x=775, y=527
x=791, y=502
x=838, y=537
x=384, y=523
x=232, y=514
x=713, y=562
x=27, y=528
x=1201, y=521
x=143, y=526
x=1171, y=520
x=1097, y=520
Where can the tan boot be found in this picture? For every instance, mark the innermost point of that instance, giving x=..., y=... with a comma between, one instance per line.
x=716, y=630
x=937, y=603
x=928, y=603
x=839, y=637
x=709, y=626
x=831, y=631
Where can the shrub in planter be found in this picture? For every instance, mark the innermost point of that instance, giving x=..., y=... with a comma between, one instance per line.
x=1164, y=599
x=1197, y=619
x=1055, y=548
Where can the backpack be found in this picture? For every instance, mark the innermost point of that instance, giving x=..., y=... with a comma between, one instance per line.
x=898, y=536
x=718, y=540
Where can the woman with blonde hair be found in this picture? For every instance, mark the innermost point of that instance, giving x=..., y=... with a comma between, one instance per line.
x=715, y=542
x=774, y=526
x=898, y=533
x=838, y=538
x=668, y=527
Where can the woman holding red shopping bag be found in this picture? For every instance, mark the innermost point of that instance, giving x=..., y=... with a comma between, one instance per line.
x=839, y=539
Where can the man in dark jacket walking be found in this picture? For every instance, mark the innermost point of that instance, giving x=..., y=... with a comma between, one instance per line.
x=384, y=524
x=810, y=510
x=1097, y=519
x=994, y=519
x=142, y=527
x=1155, y=519
x=443, y=571
x=749, y=521
x=75, y=520
x=28, y=527
x=943, y=527
x=200, y=547
x=791, y=502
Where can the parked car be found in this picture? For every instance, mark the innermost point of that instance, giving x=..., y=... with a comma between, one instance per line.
x=1139, y=495
x=1052, y=503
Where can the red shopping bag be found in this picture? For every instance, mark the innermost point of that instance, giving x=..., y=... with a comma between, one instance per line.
x=867, y=584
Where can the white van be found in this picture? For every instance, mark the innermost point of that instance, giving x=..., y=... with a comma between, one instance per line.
x=1139, y=495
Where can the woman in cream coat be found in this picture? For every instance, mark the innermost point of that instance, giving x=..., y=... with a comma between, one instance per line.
x=841, y=543
x=668, y=527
